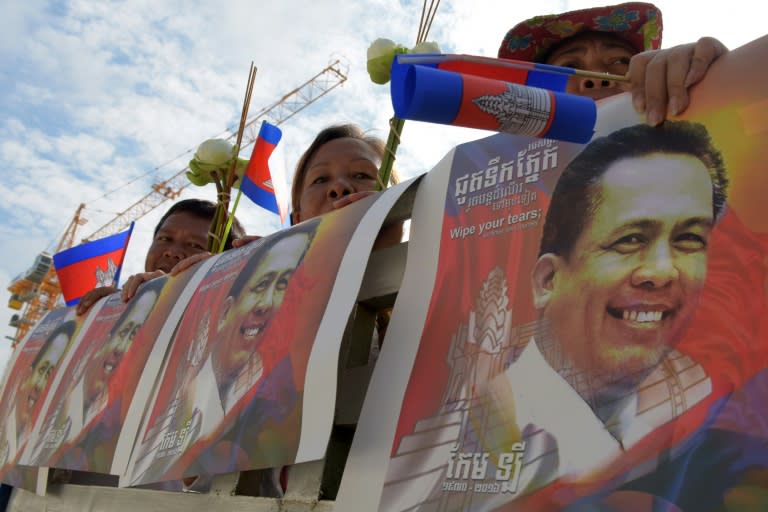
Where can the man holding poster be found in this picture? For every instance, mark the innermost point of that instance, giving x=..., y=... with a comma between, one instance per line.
x=239, y=360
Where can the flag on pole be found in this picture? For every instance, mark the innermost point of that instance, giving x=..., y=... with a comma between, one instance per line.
x=263, y=187
x=90, y=265
x=435, y=93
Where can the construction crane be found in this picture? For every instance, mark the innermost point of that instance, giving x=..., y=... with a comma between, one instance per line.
x=36, y=291
x=38, y=286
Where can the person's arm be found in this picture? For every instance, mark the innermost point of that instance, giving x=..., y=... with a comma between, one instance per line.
x=661, y=78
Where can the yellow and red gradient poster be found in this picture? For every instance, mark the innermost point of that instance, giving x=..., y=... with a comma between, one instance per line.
x=81, y=427
x=593, y=334
x=27, y=383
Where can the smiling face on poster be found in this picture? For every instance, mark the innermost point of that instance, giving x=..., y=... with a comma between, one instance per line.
x=251, y=305
x=31, y=388
x=623, y=267
x=225, y=347
x=593, y=334
x=26, y=387
x=94, y=381
x=108, y=357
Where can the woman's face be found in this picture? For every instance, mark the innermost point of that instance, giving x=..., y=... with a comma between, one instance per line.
x=340, y=167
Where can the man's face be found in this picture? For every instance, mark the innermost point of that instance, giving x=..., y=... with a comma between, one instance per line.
x=625, y=296
x=181, y=235
x=594, y=51
x=108, y=357
x=32, y=387
x=249, y=315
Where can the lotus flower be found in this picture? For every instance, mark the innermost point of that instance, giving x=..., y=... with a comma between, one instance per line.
x=213, y=155
x=381, y=53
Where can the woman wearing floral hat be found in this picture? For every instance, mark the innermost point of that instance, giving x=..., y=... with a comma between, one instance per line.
x=621, y=39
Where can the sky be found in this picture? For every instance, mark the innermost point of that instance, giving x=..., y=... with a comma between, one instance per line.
x=100, y=100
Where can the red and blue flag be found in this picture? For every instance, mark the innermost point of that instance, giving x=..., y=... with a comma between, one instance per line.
x=491, y=94
x=82, y=268
x=261, y=185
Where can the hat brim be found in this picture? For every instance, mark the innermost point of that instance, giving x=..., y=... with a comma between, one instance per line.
x=637, y=23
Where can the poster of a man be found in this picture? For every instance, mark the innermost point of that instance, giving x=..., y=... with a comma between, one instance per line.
x=71, y=435
x=621, y=267
x=564, y=368
x=27, y=386
x=236, y=307
x=30, y=389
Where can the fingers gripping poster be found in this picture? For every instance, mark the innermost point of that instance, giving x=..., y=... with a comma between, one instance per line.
x=593, y=334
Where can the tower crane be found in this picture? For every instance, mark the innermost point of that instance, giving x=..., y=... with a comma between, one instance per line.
x=36, y=291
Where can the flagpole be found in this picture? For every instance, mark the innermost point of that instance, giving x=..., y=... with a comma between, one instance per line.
x=508, y=63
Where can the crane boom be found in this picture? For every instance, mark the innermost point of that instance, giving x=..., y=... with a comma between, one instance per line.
x=39, y=287
x=280, y=111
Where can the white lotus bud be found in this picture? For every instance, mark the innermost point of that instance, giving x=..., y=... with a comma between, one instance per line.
x=426, y=47
x=215, y=152
x=381, y=47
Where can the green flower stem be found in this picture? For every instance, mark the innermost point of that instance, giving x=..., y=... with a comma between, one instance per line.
x=231, y=218
x=393, y=141
x=214, y=235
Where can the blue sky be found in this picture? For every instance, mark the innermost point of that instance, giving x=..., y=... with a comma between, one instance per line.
x=101, y=97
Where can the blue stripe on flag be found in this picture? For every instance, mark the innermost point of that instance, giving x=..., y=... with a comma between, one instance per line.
x=90, y=249
x=259, y=196
x=270, y=133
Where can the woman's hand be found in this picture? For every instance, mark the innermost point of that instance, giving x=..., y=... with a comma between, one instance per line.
x=351, y=198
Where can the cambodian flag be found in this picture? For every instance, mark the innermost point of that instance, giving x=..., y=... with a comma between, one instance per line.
x=82, y=268
x=260, y=185
x=532, y=74
x=491, y=94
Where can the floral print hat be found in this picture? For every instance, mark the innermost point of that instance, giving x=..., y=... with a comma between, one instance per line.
x=637, y=23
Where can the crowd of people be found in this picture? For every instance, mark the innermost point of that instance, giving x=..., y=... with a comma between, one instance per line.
x=341, y=165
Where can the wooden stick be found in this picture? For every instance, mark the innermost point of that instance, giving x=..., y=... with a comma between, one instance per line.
x=243, y=120
x=431, y=18
x=421, y=22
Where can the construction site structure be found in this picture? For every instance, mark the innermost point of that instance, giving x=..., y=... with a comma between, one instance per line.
x=38, y=287
x=36, y=291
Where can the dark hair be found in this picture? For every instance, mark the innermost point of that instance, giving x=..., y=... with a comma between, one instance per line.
x=204, y=210
x=328, y=134
x=308, y=228
x=577, y=193
x=67, y=328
